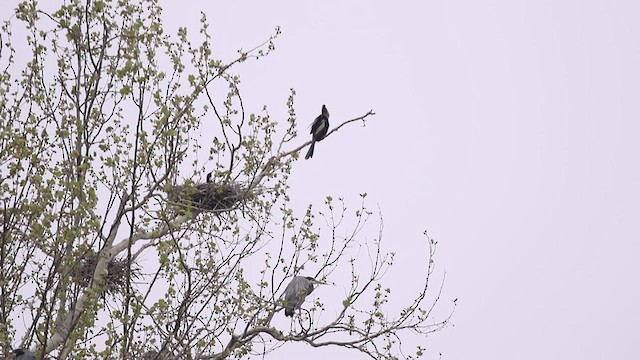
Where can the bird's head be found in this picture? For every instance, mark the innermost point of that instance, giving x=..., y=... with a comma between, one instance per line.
x=316, y=282
x=325, y=112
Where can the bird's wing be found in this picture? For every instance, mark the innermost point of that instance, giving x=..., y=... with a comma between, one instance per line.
x=322, y=127
x=317, y=123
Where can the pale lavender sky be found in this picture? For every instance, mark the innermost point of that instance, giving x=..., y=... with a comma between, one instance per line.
x=509, y=129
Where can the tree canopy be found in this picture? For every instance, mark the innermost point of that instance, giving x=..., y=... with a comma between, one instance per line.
x=114, y=246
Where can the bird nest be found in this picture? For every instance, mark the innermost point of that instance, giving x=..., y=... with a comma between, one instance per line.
x=210, y=197
x=116, y=279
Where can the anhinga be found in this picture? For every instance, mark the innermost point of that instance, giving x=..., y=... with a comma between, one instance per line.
x=297, y=291
x=319, y=130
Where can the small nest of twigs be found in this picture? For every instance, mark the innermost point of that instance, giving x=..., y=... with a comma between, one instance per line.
x=210, y=197
x=116, y=279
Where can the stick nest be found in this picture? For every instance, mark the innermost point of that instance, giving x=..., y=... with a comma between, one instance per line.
x=210, y=197
x=116, y=279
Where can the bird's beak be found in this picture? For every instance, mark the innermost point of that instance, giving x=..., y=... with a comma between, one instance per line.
x=322, y=282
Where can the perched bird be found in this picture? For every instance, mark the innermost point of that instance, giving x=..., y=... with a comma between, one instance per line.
x=22, y=354
x=297, y=291
x=209, y=177
x=319, y=130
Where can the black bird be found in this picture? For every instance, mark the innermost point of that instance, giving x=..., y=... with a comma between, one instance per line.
x=319, y=130
x=297, y=291
x=22, y=354
x=209, y=177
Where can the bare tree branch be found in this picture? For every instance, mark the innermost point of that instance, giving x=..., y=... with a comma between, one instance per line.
x=275, y=160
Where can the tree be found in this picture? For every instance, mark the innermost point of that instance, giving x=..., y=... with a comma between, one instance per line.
x=101, y=151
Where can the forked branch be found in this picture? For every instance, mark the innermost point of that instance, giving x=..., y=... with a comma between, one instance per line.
x=275, y=160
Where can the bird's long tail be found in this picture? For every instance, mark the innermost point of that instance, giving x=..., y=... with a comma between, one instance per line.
x=310, y=152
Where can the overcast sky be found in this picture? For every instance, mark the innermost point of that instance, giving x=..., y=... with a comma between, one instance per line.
x=508, y=129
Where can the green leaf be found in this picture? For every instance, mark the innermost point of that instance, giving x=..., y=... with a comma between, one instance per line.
x=125, y=90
